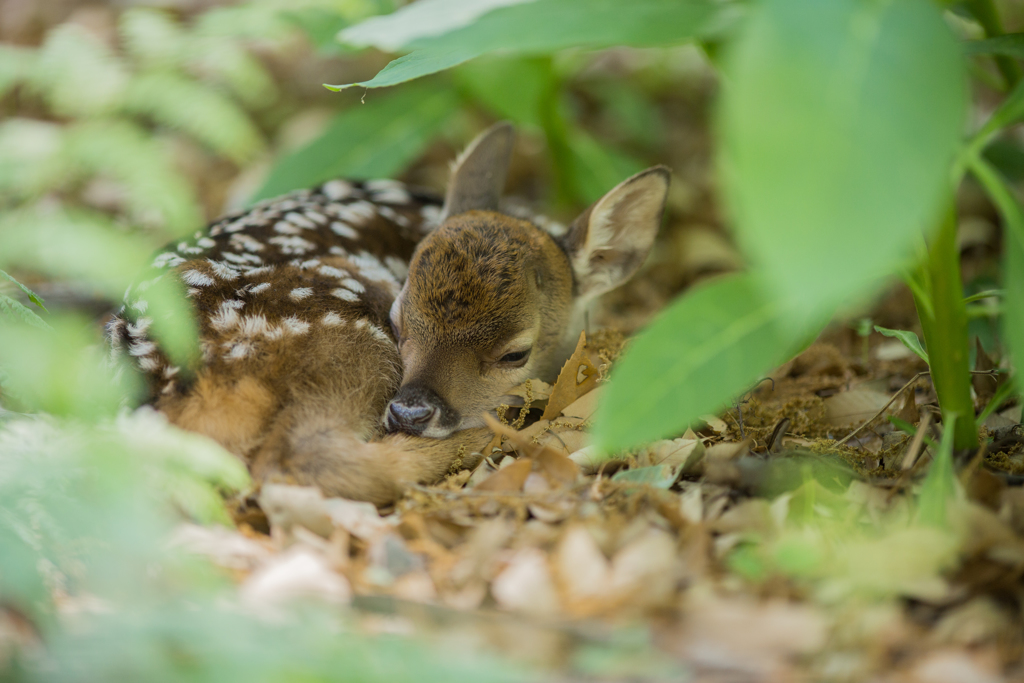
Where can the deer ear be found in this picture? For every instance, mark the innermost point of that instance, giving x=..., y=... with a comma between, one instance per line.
x=478, y=175
x=610, y=240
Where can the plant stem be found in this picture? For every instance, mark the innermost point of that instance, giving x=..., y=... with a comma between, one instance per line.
x=945, y=333
x=987, y=15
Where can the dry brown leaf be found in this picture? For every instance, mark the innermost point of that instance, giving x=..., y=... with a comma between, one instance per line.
x=525, y=585
x=298, y=573
x=857, y=405
x=583, y=571
x=286, y=506
x=509, y=478
x=908, y=411
x=584, y=407
x=224, y=547
x=578, y=376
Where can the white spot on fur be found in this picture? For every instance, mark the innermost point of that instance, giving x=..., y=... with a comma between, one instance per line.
x=370, y=267
x=170, y=371
x=286, y=228
x=232, y=303
x=337, y=189
x=196, y=279
x=193, y=292
x=379, y=333
x=238, y=351
x=300, y=293
x=246, y=242
x=140, y=305
x=344, y=230
x=338, y=251
x=431, y=214
x=140, y=327
x=292, y=245
x=300, y=220
x=167, y=260
x=225, y=318
x=345, y=294
x=311, y=263
x=331, y=271
x=242, y=259
x=223, y=270
x=293, y=325
x=397, y=266
x=393, y=216
x=260, y=271
x=141, y=348
x=262, y=287
x=206, y=243
x=315, y=216
x=332, y=319
x=238, y=225
x=355, y=213
x=253, y=326
x=149, y=364
x=355, y=285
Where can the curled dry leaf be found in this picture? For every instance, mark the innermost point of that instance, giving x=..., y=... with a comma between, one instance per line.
x=578, y=376
x=286, y=506
x=857, y=405
x=509, y=478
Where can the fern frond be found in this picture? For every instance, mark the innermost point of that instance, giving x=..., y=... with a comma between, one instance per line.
x=152, y=38
x=77, y=74
x=230, y=65
x=32, y=296
x=31, y=158
x=157, y=194
x=197, y=110
x=12, y=309
x=16, y=64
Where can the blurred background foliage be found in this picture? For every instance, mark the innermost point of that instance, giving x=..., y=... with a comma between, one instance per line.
x=129, y=124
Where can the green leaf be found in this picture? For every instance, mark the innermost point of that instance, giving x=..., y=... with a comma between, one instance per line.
x=373, y=140
x=32, y=296
x=1008, y=113
x=1013, y=256
x=510, y=88
x=940, y=483
x=63, y=371
x=594, y=167
x=658, y=476
x=706, y=348
x=542, y=27
x=13, y=309
x=1011, y=45
x=909, y=339
x=839, y=121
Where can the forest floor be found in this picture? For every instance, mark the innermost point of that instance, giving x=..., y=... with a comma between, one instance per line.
x=772, y=542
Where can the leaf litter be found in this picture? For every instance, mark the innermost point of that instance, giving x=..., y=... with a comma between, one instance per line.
x=751, y=547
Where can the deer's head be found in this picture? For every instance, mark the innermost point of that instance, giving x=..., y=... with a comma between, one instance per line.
x=492, y=300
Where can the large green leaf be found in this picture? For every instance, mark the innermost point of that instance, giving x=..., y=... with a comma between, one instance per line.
x=541, y=28
x=373, y=140
x=702, y=351
x=838, y=123
x=1011, y=45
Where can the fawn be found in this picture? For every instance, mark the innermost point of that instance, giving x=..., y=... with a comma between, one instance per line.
x=353, y=335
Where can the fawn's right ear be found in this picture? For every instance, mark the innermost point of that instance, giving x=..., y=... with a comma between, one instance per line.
x=608, y=243
x=478, y=175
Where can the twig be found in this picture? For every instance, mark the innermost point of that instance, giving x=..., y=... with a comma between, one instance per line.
x=915, y=445
x=897, y=394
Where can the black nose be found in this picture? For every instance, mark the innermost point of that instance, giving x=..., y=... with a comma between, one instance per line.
x=409, y=417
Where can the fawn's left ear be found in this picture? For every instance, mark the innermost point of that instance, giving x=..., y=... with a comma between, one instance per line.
x=610, y=240
x=478, y=175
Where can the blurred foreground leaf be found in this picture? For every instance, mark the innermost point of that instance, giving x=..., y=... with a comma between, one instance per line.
x=707, y=347
x=64, y=371
x=373, y=140
x=940, y=483
x=531, y=28
x=839, y=122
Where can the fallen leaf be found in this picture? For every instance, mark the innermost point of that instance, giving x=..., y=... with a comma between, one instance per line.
x=526, y=585
x=287, y=505
x=509, y=478
x=297, y=573
x=578, y=376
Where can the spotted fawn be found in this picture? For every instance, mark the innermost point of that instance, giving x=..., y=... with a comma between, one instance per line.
x=354, y=335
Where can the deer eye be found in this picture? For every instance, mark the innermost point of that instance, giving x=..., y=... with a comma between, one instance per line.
x=515, y=357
